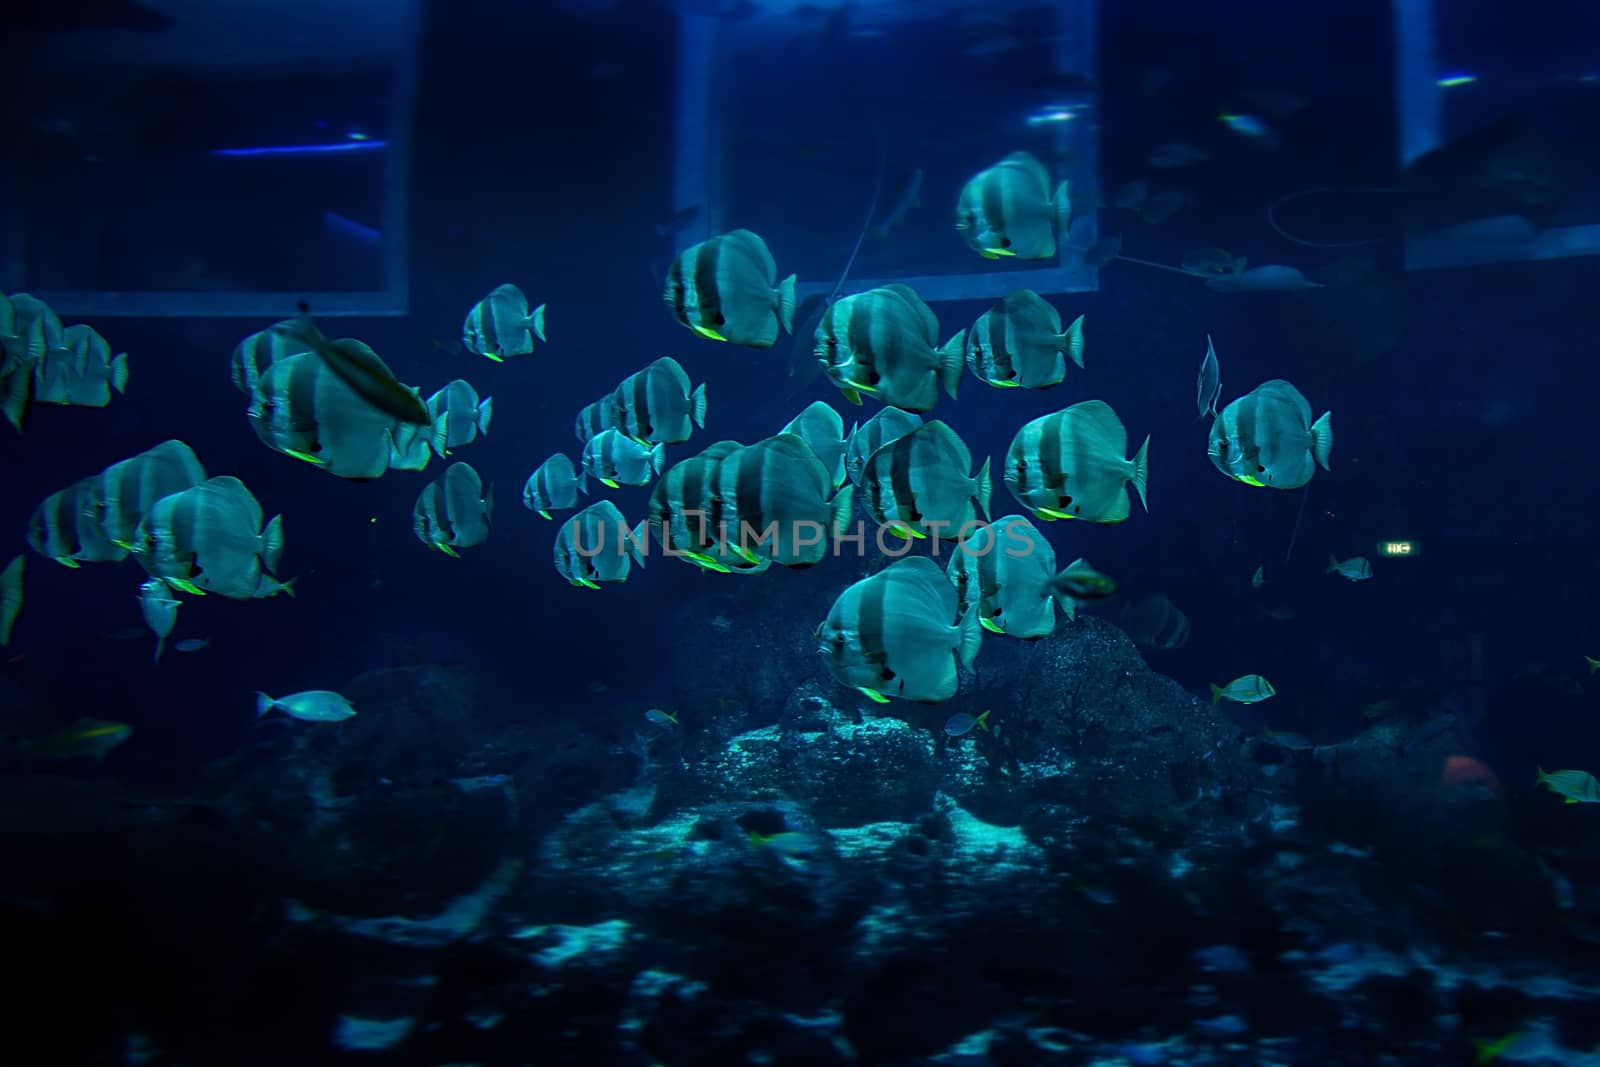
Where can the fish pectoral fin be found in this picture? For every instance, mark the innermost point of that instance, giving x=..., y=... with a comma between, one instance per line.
x=852, y=395
x=68, y=562
x=544, y=515
x=306, y=456
x=708, y=333
x=184, y=585
x=992, y=626
x=609, y=484
x=873, y=695
x=497, y=359
x=448, y=550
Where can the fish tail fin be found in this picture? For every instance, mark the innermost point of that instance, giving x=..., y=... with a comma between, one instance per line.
x=1322, y=439
x=1141, y=472
x=637, y=540
x=658, y=456
x=1333, y=564
x=488, y=502
x=1061, y=205
x=264, y=704
x=583, y=482
x=161, y=645
x=272, y=543
x=1073, y=341
x=698, y=405
x=536, y=320
x=1216, y=692
x=971, y=633
x=288, y=587
x=985, y=487
x=785, y=294
x=119, y=373
x=839, y=515
x=485, y=414
x=952, y=361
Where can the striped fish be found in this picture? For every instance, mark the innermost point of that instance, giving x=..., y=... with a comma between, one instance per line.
x=727, y=289
x=884, y=342
x=778, y=502
x=130, y=488
x=453, y=511
x=210, y=538
x=553, y=486
x=253, y=355
x=686, y=516
x=1008, y=210
x=362, y=369
x=617, y=459
x=302, y=409
x=898, y=634
x=822, y=428
x=867, y=438
x=918, y=484
x=1019, y=341
x=1069, y=465
x=67, y=527
x=1267, y=438
x=82, y=372
x=1245, y=689
x=657, y=404
x=1008, y=570
x=501, y=325
x=593, y=546
x=592, y=419
x=458, y=416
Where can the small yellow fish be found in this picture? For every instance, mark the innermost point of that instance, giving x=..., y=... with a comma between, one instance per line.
x=1356, y=568
x=86, y=737
x=1245, y=689
x=1578, y=787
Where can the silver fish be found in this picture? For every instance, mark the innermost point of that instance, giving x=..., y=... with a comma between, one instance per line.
x=1019, y=342
x=553, y=486
x=1208, y=386
x=501, y=325
x=1009, y=210
x=1267, y=438
x=454, y=511
x=727, y=289
x=897, y=634
x=1070, y=465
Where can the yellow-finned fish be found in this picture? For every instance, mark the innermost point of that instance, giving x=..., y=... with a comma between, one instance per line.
x=1267, y=438
x=726, y=288
x=1578, y=787
x=1071, y=465
x=362, y=370
x=1245, y=689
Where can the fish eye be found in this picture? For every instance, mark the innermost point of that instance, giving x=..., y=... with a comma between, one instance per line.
x=720, y=320
x=1005, y=242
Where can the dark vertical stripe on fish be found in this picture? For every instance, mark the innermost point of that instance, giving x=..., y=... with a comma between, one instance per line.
x=707, y=297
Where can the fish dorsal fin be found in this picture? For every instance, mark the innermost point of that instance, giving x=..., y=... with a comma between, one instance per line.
x=1279, y=391
x=668, y=366
x=756, y=248
x=719, y=450
x=793, y=446
x=908, y=296
x=1028, y=162
x=1094, y=421
x=949, y=442
x=1027, y=306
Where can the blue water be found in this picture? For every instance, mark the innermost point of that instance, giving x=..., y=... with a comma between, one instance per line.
x=542, y=153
